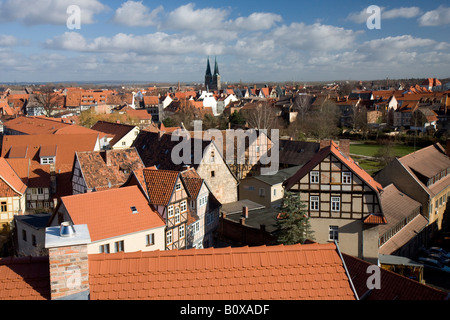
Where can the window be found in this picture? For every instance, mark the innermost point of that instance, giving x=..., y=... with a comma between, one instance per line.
x=314, y=203
x=314, y=177
x=346, y=177
x=169, y=237
x=335, y=203
x=4, y=206
x=40, y=190
x=150, y=239
x=33, y=240
x=124, y=143
x=104, y=248
x=24, y=235
x=177, y=215
x=262, y=192
x=183, y=206
x=170, y=211
x=47, y=160
x=181, y=231
x=119, y=246
x=195, y=228
x=274, y=192
x=334, y=233
x=178, y=186
x=203, y=200
x=209, y=218
x=213, y=174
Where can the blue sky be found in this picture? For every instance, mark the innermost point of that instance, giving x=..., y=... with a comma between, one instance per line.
x=253, y=40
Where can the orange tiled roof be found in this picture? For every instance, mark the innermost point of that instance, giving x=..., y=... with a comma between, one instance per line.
x=10, y=177
x=113, y=215
x=24, y=278
x=313, y=271
x=160, y=185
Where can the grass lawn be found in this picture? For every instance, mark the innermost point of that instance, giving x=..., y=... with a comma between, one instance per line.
x=370, y=165
x=371, y=149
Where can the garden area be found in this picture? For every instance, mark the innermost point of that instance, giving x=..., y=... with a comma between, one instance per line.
x=374, y=157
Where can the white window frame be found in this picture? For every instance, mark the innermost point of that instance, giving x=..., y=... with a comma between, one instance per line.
x=169, y=237
x=336, y=204
x=178, y=186
x=195, y=228
x=314, y=202
x=333, y=234
x=314, y=177
x=177, y=215
x=150, y=239
x=183, y=206
x=170, y=211
x=346, y=178
x=181, y=232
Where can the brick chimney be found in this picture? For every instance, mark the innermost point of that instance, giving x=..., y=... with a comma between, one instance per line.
x=324, y=144
x=344, y=146
x=68, y=261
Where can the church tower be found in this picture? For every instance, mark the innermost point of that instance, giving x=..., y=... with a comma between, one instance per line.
x=208, y=77
x=216, y=76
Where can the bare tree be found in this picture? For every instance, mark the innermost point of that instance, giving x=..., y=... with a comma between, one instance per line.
x=262, y=116
x=47, y=99
x=301, y=104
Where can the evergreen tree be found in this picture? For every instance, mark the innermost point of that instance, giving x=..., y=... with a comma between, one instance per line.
x=293, y=221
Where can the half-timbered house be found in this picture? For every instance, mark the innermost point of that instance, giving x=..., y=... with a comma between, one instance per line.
x=167, y=193
x=342, y=201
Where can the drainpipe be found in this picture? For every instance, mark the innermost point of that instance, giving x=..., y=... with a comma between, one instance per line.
x=346, y=270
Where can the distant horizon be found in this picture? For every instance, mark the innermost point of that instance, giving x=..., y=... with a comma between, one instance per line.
x=170, y=41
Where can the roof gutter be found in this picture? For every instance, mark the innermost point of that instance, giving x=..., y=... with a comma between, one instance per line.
x=346, y=271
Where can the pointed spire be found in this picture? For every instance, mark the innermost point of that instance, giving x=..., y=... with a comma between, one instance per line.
x=208, y=69
x=216, y=66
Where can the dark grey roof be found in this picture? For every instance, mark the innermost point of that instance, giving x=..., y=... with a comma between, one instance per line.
x=37, y=221
x=297, y=153
x=236, y=207
x=258, y=217
x=278, y=177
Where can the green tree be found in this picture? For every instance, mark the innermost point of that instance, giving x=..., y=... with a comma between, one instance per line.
x=236, y=118
x=293, y=221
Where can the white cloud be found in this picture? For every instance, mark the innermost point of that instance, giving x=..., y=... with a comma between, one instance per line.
x=135, y=14
x=7, y=40
x=52, y=12
x=410, y=12
x=187, y=17
x=257, y=21
x=314, y=37
x=403, y=12
x=438, y=17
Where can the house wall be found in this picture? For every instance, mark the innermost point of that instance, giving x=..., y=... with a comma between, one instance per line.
x=218, y=176
x=78, y=183
x=127, y=141
x=12, y=206
x=353, y=238
x=250, y=188
x=178, y=198
x=30, y=241
x=38, y=198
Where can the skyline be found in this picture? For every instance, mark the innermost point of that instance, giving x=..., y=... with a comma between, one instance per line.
x=152, y=41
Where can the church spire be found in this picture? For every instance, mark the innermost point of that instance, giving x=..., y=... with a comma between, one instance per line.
x=216, y=67
x=208, y=69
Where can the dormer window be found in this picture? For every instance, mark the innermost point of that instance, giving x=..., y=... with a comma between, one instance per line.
x=47, y=160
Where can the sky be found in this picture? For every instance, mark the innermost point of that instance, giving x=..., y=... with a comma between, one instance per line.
x=253, y=41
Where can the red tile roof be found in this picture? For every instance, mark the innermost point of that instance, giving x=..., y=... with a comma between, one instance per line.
x=24, y=278
x=296, y=272
x=108, y=213
x=347, y=161
x=160, y=185
x=10, y=177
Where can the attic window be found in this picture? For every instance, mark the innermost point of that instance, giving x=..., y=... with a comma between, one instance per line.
x=134, y=210
x=47, y=160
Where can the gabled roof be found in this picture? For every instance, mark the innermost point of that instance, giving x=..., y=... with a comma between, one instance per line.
x=117, y=130
x=160, y=185
x=110, y=168
x=296, y=272
x=392, y=287
x=108, y=213
x=347, y=161
x=10, y=178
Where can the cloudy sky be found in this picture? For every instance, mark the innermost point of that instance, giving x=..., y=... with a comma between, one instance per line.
x=264, y=40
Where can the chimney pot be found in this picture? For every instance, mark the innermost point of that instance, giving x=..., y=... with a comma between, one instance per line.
x=66, y=230
x=245, y=212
